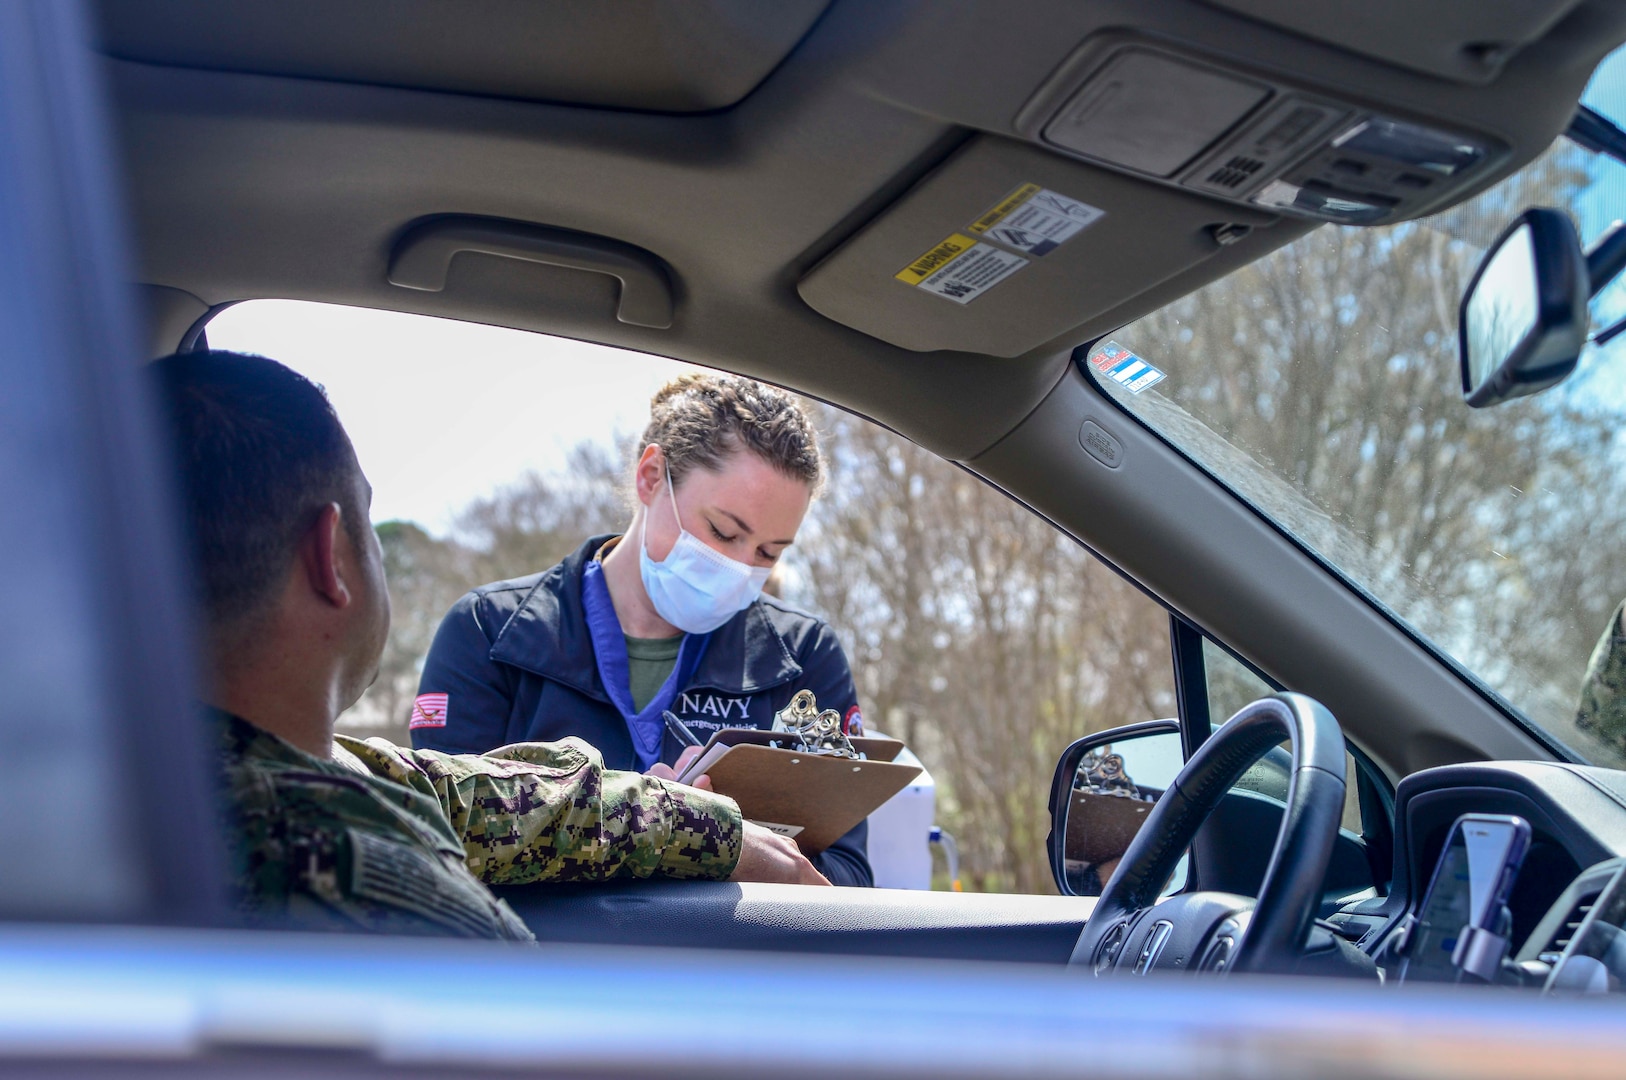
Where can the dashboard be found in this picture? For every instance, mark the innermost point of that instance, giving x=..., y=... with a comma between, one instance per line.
x=1577, y=818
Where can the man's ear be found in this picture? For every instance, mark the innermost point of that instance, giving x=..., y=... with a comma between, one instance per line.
x=319, y=557
x=650, y=473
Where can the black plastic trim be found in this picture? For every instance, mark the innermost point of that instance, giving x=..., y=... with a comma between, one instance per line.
x=1190, y=684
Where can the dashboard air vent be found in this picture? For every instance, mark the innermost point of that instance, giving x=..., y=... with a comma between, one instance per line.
x=1566, y=930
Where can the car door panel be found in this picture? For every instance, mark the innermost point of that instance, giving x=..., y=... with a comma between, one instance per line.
x=798, y=918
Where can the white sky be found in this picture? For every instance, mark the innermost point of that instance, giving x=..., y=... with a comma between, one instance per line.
x=442, y=411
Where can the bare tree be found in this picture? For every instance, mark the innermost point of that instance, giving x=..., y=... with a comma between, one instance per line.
x=1333, y=362
x=978, y=634
x=534, y=522
x=520, y=529
x=425, y=576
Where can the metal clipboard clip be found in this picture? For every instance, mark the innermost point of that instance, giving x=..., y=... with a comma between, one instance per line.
x=816, y=732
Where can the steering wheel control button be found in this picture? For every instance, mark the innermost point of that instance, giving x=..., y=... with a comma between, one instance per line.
x=1155, y=941
x=1218, y=956
x=1100, y=445
x=1106, y=954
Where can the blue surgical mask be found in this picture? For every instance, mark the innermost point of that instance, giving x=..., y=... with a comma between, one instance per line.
x=696, y=588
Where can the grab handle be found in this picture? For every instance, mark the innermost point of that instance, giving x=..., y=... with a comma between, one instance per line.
x=423, y=256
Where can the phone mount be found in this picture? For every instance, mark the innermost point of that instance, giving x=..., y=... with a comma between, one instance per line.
x=1480, y=952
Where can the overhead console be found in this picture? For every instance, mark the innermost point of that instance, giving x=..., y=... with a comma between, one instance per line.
x=1172, y=131
x=1180, y=119
x=1135, y=161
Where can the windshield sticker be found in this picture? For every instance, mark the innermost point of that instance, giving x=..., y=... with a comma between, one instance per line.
x=961, y=269
x=1124, y=368
x=1036, y=220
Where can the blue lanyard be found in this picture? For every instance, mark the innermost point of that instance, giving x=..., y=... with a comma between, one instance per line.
x=647, y=728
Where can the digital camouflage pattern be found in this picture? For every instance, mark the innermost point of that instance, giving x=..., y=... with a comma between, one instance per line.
x=392, y=840
x=1603, y=693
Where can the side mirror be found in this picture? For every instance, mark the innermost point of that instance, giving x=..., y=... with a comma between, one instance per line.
x=1105, y=785
x=1523, y=320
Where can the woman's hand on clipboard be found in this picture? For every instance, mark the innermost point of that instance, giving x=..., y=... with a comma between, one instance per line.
x=764, y=854
x=767, y=856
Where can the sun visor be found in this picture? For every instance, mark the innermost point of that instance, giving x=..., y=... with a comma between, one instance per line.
x=1006, y=247
x=629, y=54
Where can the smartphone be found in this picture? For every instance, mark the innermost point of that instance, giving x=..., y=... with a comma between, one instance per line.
x=1470, y=887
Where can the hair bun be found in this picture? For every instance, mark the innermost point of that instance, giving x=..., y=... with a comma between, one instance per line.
x=701, y=419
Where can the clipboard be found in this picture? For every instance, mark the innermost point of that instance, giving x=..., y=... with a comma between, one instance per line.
x=814, y=799
x=1101, y=827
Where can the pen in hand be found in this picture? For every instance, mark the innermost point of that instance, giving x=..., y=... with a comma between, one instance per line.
x=679, y=729
x=692, y=747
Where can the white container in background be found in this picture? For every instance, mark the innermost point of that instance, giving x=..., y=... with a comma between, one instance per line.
x=900, y=830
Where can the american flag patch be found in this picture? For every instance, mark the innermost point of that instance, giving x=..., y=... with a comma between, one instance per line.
x=428, y=711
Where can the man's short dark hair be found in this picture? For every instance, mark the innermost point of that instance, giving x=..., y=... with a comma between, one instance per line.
x=260, y=452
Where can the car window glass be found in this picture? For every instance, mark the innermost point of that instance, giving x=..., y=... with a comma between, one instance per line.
x=1232, y=685
x=976, y=632
x=1321, y=384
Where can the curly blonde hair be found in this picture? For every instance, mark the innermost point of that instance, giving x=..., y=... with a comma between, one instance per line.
x=702, y=419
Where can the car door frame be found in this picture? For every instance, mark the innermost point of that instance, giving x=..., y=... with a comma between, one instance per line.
x=1374, y=793
x=90, y=478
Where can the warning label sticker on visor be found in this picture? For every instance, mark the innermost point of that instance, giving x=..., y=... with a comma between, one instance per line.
x=1036, y=220
x=961, y=269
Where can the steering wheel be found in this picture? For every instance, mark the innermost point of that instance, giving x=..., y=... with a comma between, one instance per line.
x=1212, y=931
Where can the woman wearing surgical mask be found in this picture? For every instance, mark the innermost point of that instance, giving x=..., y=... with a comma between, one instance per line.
x=668, y=616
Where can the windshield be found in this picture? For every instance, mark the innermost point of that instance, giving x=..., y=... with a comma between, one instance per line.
x=1321, y=384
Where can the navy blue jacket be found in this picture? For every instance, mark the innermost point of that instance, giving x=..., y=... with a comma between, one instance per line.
x=516, y=662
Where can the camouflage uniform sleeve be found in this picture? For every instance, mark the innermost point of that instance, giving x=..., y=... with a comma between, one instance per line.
x=552, y=812
x=1602, y=709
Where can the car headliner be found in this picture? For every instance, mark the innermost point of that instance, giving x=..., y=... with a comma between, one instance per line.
x=287, y=163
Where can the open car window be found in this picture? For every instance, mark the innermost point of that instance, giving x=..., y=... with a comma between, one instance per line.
x=976, y=632
x=1320, y=384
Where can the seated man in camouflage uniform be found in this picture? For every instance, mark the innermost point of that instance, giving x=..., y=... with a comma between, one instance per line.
x=337, y=833
x=1603, y=692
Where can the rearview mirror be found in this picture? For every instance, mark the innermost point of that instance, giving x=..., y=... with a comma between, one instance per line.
x=1105, y=786
x=1523, y=320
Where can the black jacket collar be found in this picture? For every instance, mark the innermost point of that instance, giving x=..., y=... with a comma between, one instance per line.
x=547, y=635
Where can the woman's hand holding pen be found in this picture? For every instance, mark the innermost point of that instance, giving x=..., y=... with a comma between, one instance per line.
x=663, y=771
